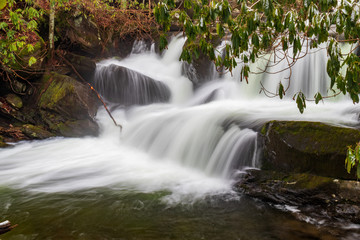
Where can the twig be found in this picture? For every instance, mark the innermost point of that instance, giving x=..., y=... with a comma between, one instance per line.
x=91, y=87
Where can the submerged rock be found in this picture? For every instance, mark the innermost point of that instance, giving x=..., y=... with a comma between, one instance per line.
x=119, y=84
x=310, y=147
x=67, y=106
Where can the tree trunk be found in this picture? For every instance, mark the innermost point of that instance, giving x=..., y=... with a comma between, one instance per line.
x=51, y=27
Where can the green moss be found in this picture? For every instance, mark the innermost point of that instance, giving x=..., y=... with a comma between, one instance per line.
x=35, y=132
x=59, y=87
x=38, y=46
x=306, y=181
x=264, y=129
x=14, y=100
x=315, y=136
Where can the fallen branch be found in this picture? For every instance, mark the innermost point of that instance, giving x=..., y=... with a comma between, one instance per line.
x=6, y=226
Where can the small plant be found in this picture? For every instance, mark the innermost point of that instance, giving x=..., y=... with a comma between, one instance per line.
x=353, y=159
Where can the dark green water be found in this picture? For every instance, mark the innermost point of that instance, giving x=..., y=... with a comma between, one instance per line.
x=108, y=214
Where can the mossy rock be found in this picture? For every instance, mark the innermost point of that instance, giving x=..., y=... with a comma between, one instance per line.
x=14, y=100
x=311, y=147
x=36, y=132
x=2, y=143
x=67, y=97
x=67, y=107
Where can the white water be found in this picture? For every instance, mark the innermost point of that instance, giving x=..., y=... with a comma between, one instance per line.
x=185, y=147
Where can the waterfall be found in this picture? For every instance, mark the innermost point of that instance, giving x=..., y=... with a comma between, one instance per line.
x=185, y=140
x=196, y=137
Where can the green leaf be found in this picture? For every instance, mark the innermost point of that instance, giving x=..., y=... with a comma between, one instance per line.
x=220, y=30
x=357, y=153
x=255, y=40
x=32, y=60
x=30, y=48
x=318, y=98
x=163, y=42
x=3, y=25
x=281, y=91
x=358, y=171
x=13, y=47
x=301, y=102
x=3, y=4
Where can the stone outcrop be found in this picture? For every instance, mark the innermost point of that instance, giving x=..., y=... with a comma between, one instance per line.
x=119, y=84
x=67, y=106
x=83, y=34
x=310, y=147
x=321, y=198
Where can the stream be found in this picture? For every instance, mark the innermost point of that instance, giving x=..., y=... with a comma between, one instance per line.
x=169, y=173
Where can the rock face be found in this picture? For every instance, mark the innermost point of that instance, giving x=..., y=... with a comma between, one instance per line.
x=118, y=84
x=83, y=33
x=67, y=106
x=200, y=71
x=310, y=147
x=84, y=66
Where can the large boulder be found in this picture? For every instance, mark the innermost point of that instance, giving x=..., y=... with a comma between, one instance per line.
x=67, y=106
x=82, y=32
x=119, y=84
x=77, y=66
x=312, y=147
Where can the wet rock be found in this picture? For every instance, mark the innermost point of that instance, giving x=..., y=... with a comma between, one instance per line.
x=63, y=102
x=200, y=71
x=310, y=147
x=318, y=197
x=119, y=84
x=14, y=100
x=36, y=132
x=2, y=143
x=78, y=128
x=84, y=66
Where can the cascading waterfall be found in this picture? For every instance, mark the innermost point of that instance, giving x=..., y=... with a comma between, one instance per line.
x=196, y=137
x=190, y=143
